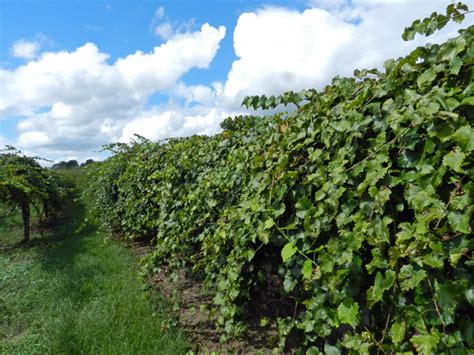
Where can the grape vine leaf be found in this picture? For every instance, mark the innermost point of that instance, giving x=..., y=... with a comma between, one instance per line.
x=348, y=312
x=381, y=284
x=288, y=251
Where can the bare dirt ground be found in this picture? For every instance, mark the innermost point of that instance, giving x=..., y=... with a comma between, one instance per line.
x=192, y=305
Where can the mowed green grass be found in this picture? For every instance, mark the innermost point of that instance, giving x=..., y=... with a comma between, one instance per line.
x=71, y=291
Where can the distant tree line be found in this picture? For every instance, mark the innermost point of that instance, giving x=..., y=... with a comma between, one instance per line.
x=71, y=164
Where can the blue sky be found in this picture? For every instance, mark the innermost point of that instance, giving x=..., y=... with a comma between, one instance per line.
x=120, y=27
x=78, y=74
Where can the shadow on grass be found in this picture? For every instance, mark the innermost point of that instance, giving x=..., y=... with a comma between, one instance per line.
x=70, y=223
x=65, y=255
x=56, y=244
x=55, y=247
x=86, y=297
x=69, y=240
x=10, y=232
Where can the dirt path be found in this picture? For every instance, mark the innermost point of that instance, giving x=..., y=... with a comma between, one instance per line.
x=192, y=306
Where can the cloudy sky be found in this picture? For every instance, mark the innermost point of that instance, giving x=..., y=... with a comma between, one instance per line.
x=75, y=75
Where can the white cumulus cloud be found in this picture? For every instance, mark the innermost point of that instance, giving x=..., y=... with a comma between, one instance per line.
x=25, y=49
x=279, y=49
x=34, y=139
x=76, y=101
x=178, y=122
x=72, y=102
x=200, y=94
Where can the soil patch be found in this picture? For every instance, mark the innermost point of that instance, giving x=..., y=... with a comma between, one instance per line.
x=192, y=305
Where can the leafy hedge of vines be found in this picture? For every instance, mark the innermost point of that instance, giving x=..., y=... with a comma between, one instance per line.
x=25, y=184
x=360, y=201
